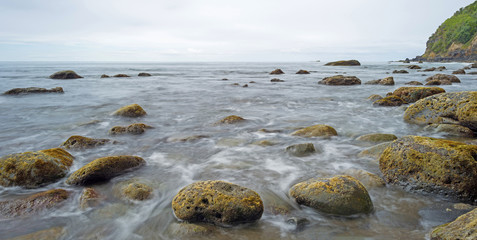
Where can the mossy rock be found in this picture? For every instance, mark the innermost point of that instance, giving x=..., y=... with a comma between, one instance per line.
x=463, y=228
x=134, y=190
x=432, y=165
x=217, y=202
x=32, y=204
x=121, y=75
x=389, y=101
x=68, y=74
x=34, y=169
x=143, y=74
x=80, y=142
x=277, y=71
x=55, y=233
x=412, y=94
x=301, y=150
x=232, y=119
x=340, y=80
x=30, y=90
x=459, y=106
x=344, y=63
x=320, y=130
x=133, y=110
x=414, y=83
x=375, y=97
x=377, y=138
x=444, y=77
x=135, y=129
x=301, y=71
x=369, y=180
x=90, y=198
x=451, y=130
x=103, y=169
x=339, y=195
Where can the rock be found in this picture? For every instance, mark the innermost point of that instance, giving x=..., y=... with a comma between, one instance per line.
x=301, y=150
x=264, y=143
x=340, y=80
x=55, y=233
x=225, y=79
x=374, y=151
x=89, y=198
x=232, y=119
x=276, y=80
x=458, y=106
x=414, y=67
x=441, y=77
x=277, y=71
x=400, y=71
x=429, y=69
x=134, y=190
x=438, y=82
x=252, y=82
x=104, y=76
x=472, y=73
x=135, y=129
x=463, y=228
x=103, y=169
x=299, y=223
x=301, y=71
x=121, y=75
x=407, y=60
x=34, y=169
x=217, y=202
x=339, y=195
x=377, y=138
x=369, y=180
x=390, y=101
x=185, y=230
x=32, y=204
x=374, y=97
x=460, y=71
x=187, y=139
x=319, y=130
x=441, y=68
x=344, y=63
x=68, y=74
x=463, y=206
x=17, y=91
x=80, y=142
x=385, y=81
x=245, y=85
x=451, y=130
x=432, y=165
x=412, y=94
x=413, y=83
x=235, y=84
x=133, y=110
x=143, y=74
x=474, y=65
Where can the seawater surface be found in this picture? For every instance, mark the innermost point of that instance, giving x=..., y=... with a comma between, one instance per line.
x=186, y=99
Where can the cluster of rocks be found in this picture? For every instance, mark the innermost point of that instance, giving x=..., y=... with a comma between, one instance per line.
x=405, y=95
x=122, y=75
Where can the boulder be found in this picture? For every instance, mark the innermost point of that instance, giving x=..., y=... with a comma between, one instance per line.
x=441, y=68
x=245, y=85
x=133, y=110
x=369, y=180
x=414, y=67
x=432, y=165
x=55, y=233
x=451, y=130
x=17, y=91
x=429, y=69
x=460, y=71
x=407, y=60
x=232, y=119
x=413, y=83
x=463, y=228
x=135, y=129
x=143, y=74
x=460, y=107
x=474, y=65
x=412, y=94
x=344, y=63
x=377, y=138
x=472, y=73
x=301, y=150
x=438, y=82
x=34, y=169
x=301, y=71
x=277, y=71
x=384, y=81
x=339, y=195
x=184, y=230
x=340, y=80
x=320, y=130
x=68, y=74
x=104, y=76
x=89, y=198
x=276, y=80
x=390, y=101
x=80, y=142
x=400, y=71
x=374, y=97
x=121, y=75
x=217, y=202
x=32, y=204
x=103, y=169
x=134, y=190
x=441, y=77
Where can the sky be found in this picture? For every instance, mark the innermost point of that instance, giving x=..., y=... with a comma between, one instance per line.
x=218, y=30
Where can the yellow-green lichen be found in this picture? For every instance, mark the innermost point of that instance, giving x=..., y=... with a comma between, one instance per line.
x=319, y=130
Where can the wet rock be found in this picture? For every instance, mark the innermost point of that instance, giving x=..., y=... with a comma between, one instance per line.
x=474, y=65
x=245, y=85
x=232, y=119
x=55, y=233
x=133, y=110
x=377, y=138
x=319, y=130
x=225, y=79
x=451, y=130
x=299, y=223
x=441, y=68
x=444, y=77
x=413, y=83
x=103, y=169
x=344, y=63
x=412, y=94
x=143, y=74
x=458, y=106
x=104, y=76
x=231, y=142
x=463, y=228
x=34, y=169
x=407, y=60
x=29, y=90
x=301, y=150
x=463, y=206
x=252, y=82
x=390, y=101
x=384, y=81
x=472, y=73
x=339, y=195
x=374, y=97
x=400, y=71
x=135, y=129
x=68, y=74
x=134, y=190
x=80, y=142
x=374, y=151
x=340, y=80
x=277, y=71
x=438, y=82
x=429, y=69
x=276, y=80
x=121, y=75
x=432, y=165
x=192, y=138
x=264, y=143
x=89, y=198
x=369, y=180
x=33, y=204
x=414, y=67
x=460, y=71
x=217, y=202
x=301, y=71
x=276, y=204
x=183, y=230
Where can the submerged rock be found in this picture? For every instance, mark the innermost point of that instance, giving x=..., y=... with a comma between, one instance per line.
x=277, y=71
x=429, y=69
x=89, y=198
x=34, y=169
x=231, y=120
x=369, y=180
x=301, y=71
x=451, y=130
x=143, y=74
x=463, y=228
x=414, y=83
x=133, y=110
x=339, y=195
x=32, y=204
x=400, y=71
x=340, y=80
x=187, y=139
x=374, y=151
x=344, y=63
x=55, y=233
x=103, y=169
x=135, y=129
x=377, y=138
x=68, y=74
x=184, y=230
x=121, y=75
x=217, y=202
x=432, y=165
x=301, y=150
x=134, y=190
x=412, y=94
x=80, y=142
x=390, y=101
x=374, y=97
x=320, y=130
x=17, y=91
x=444, y=77
x=438, y=82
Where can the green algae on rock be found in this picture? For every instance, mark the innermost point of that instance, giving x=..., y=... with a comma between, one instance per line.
x=80, y=142
x=231, y=120
x=68, y=74
x=133, y=110
x=34, y=169
x=432, y=165
x=217, y=202
x=32, y=204
x=339, y=195
x=463, y=228
x=320, y=130
x=103, y=169
x=344, y=63
x=340, y=80
x=412, y=94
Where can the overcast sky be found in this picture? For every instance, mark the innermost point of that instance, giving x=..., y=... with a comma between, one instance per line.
x=219, y=30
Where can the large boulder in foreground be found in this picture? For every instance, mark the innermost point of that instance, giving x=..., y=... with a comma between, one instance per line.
x=32, y=204
x=34, y=169
x=433, y=165
x=217, y=202
x=457, y=107
x=17, y=91
x=344, y=63
x=339, y=195
x=103, y=169
x=340, y=80
x=80, y=142
x=463, y=228
x=68, y=74
x=133, y=110
x=320, y=130
x=412, y=94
